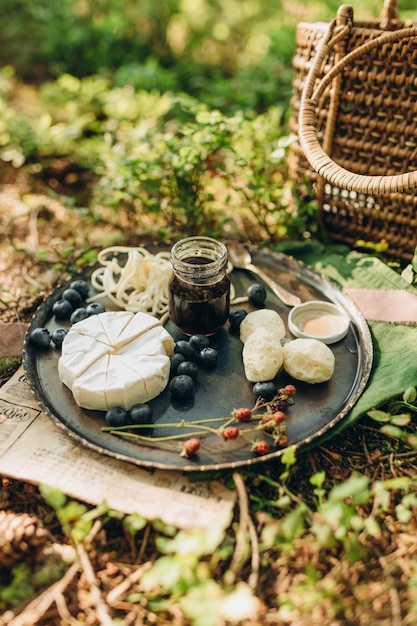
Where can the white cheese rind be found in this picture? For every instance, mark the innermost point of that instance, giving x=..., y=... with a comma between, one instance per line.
x=139, y=326
x=121, y=380
x=154, y=341
x=79, y=352
x=116, y=358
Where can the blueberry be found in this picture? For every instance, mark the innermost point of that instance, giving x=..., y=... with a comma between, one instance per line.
x=62, y=309
x=176, y=359
x=40, y=337
x=94, y=308
x=116, y=416
x=78, y=315
x=198, y=342
x=236, y=318
x=189, y=368
x=73, y=296
x=140, y=414
x=181, y=387
x=58, y=336
x=208, y=357
x=81, y=286
x=266, y=390
x=256, y=294
x=183, y=347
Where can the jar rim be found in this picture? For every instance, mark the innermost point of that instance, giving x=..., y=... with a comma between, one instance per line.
x=200, y=239
x=203, y=245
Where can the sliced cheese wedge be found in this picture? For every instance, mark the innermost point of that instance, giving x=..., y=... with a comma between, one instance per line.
x=155, y=341
x=116, y=358
x=79, y=352
x=139, y=326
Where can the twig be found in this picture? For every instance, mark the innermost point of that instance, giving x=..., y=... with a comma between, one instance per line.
x=365, y=449
x=391, y=465
x=103, y=615
x=393, y=593
x=312, y=462
x=29, y=279
x=335, y=456
x=144, y=543
x=255, y=559
x=245, y=525
x=63, y=611
x=38, y=607
x=33, y=229
x=114, y=595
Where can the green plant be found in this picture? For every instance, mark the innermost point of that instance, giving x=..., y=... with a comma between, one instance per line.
x=397, y=419
x=409, y=273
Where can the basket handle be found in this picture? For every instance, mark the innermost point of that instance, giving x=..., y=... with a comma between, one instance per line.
x=389, y=13
x=307, y=131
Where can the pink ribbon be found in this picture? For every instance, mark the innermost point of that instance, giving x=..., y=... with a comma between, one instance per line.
x=386, y=305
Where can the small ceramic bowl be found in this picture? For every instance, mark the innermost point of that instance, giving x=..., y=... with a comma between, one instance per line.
x=318, y=320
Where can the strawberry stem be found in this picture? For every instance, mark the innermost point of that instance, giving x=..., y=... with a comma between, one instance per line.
x=158, y=439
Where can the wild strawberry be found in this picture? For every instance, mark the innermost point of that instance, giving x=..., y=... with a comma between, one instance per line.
x=278, y=417
x=190, y=447
x=267, y=423
x=242, y=415
x=282, y=441
x=290, y=390
x=261, y=447
x=231, y=432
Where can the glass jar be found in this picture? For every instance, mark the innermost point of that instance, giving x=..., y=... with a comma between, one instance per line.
x=199, y=295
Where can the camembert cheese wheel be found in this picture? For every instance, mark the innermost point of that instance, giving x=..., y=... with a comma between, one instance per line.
x=116, y=358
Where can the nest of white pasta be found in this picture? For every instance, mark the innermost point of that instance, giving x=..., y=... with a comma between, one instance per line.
x=134, y=279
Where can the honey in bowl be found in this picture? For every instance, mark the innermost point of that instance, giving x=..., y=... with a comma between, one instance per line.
x=318, y=320
x=323, y=325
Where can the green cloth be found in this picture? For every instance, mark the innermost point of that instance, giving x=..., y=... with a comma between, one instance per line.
x=395, y=345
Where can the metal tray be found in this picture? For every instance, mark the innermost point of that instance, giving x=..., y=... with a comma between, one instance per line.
x=316, y=410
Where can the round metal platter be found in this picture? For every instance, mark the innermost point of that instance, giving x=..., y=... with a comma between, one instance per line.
x=316, y=409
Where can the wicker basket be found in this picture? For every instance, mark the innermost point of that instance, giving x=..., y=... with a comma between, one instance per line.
x=354, y=109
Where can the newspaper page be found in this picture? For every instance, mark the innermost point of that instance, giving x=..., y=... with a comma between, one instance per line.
x=34, y=449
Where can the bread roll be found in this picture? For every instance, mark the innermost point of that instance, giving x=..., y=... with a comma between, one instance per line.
x=262, y=355
x=262, y=318
x=308, y=360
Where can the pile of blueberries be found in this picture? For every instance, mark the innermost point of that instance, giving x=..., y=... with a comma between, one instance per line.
x=67, y=307
x=185, y=361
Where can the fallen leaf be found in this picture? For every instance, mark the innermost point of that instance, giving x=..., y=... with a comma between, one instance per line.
x=11, y=338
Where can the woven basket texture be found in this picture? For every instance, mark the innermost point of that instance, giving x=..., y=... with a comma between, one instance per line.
x=369, y=129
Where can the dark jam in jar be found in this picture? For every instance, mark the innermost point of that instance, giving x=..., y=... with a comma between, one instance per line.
x=200, y=287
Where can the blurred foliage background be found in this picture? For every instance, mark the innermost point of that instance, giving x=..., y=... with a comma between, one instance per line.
x=159, y=113
x=229, y=53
